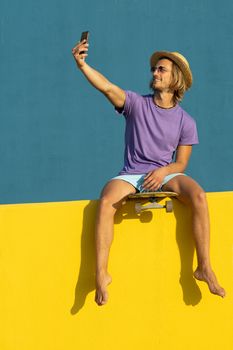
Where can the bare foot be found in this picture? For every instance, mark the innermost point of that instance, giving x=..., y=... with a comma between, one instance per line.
x=209, y=277
x=102, y=281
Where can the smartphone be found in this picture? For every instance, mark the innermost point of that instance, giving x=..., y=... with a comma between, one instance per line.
x=84, y=36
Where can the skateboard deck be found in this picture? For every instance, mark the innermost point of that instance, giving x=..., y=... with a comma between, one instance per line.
x=153, y=198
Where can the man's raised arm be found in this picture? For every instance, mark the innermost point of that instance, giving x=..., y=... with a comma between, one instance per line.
x=115, y=94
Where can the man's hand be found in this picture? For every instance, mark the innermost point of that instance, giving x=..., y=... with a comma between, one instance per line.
x=80, y=53
x=153, y=180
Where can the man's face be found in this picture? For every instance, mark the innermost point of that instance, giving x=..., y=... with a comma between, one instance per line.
x=162, y=75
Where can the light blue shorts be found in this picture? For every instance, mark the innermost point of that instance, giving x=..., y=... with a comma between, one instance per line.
x=137, y=180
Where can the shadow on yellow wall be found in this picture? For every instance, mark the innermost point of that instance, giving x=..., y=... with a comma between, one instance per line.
x=47, y=279
x=86, y=276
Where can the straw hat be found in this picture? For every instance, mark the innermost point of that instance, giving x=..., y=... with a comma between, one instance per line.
x=179, y=59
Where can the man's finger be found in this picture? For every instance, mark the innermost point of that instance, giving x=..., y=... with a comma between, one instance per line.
x=149, y=186
x=146, y=183
x=154, y=186
x=77, y=45
x=149, y=180
x=145, y=177
x=80, y=44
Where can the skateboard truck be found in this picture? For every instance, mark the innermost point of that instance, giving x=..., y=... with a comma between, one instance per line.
x=153, y=198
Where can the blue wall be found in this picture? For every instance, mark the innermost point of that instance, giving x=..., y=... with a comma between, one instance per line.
x=59, y=138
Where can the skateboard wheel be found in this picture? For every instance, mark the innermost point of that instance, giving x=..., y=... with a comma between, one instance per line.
x=169, y=206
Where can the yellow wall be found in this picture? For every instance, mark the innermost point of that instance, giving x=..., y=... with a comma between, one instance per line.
x=47, y=279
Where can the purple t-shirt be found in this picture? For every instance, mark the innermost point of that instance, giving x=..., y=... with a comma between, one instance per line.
x=153, y=133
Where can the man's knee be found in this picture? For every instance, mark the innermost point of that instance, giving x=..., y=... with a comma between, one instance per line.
x=109, y=204
x=198, y=198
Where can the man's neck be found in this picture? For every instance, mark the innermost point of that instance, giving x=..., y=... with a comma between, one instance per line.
x=164, y=99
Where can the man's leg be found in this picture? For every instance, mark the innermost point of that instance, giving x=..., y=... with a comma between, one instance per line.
x=193, y=195
x=111, y=199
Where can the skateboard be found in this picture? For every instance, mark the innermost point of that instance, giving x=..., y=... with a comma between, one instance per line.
x=153, y=198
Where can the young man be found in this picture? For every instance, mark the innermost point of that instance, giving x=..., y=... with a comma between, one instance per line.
x=156, y=129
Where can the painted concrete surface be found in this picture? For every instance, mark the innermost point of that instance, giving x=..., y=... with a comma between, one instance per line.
x=47, y=279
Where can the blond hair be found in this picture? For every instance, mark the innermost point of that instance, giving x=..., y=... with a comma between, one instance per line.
x=177, y=86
